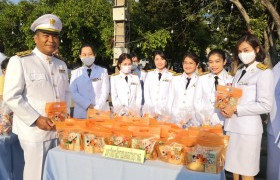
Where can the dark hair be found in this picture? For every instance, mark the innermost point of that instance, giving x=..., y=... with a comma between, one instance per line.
x=254, y=42
x=191, y=55
x=162, y=55
x=4, y=63
x=2, y=49
x=202, y=66
x=219, y=52
x=87, y=45
x=122, y=57
x=133, y=54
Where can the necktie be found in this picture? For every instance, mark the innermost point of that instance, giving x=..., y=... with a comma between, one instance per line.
x=242, y=74
x=189, y=80
x=126, y=78
x=89, y=72
x=216, y=81
x=159, y=76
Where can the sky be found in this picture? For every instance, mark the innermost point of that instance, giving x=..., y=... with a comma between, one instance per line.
x=14, y=1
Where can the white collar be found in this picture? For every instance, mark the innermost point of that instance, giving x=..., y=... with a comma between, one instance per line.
x=221, y=75
x=252, y=66
x=163, y=71
x=41, y=55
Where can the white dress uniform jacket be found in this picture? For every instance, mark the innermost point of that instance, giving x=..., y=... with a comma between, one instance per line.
x=89, y=90
x=30, y=82
x=181, y=99
x=140, y=73
x=257, y=99
x=205, y=96
x=126, y=94
x=156, y=91
x=273, y=131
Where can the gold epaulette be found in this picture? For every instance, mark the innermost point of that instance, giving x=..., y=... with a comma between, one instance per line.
x=134, y=74
x=24, y=53
x=262, y=66
x=177, y=74
x=150, y=70
x=173, y=72
x=203, y=73
x=230, y=73
x=115, y=74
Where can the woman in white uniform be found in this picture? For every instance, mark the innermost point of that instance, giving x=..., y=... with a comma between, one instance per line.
x=157, y=85
x=126, y=89
x=205, y=91
x=180, y=102
x=243, y=123
x=89, y=84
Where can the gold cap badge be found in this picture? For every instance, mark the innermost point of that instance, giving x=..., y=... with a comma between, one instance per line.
x=52, y=21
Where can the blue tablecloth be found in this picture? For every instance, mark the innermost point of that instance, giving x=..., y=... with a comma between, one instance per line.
x=11, y=158
x=69, y=165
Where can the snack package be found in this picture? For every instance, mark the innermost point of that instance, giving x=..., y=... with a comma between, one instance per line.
x=121, y=137
x=209, y=154
x=227, y=96
x=171, y=152
x=95, y=140
x=56, y=111
x=70, y=134
x=98, y=114
x=5, y=124
x=134, y=120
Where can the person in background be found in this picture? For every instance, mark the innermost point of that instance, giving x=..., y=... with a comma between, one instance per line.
x=201, y=68
x=137, y=69
x=205, y=91
x=34, y=78
x=126, y=89
x=2, y=55
x=157, y=86
x=243, y=122
x=273, y=131
x=180, y=102
x=89, y=84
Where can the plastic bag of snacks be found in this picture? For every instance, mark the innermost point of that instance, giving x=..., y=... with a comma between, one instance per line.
x=95, y=139
x=70, y=134
x=121, y=137
x=6, y=119
x=98, y=114
x=56, y=111
x=227, y=96
x=145, y=138
x=208, y=155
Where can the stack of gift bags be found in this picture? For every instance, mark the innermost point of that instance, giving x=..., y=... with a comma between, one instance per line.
x=198, y=148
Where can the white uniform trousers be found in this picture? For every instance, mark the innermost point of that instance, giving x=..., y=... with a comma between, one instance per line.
x=273, y=159
x=34, y=156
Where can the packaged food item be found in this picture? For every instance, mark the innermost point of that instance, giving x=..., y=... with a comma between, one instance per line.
x=95, y=140
x=227, y=96
x=171, y=152
x=56, y=111
x=5, y=124
x=134, y=120
x=98, y=114
x=121, y=138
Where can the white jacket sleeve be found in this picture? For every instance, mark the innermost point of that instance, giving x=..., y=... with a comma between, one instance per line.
x=14, y=88
x=104, y=91
x=171, y=96
x=197, y=100
x=139, y=93
x=77, y=98
x=114, y=93
x=147, y=91
x=264, y=101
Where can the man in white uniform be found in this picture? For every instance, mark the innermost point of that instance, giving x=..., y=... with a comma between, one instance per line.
x=34, y=78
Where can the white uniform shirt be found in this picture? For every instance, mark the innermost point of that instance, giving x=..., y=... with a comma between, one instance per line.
x=30, y=82
x=273, y=126
x=181, y=99
x=156, y=91
x=205, y=96
x=257, y=98
x=127, y=94
x=89, y=90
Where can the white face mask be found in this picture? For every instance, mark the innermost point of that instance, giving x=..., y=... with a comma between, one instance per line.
x=126, y=69
x=247, y=57
x=134, y=66
x=88, y=60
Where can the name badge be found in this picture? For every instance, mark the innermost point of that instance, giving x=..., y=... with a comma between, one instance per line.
x=243, y=83
x=61, y=69
x=166, y=80
x=134, y=83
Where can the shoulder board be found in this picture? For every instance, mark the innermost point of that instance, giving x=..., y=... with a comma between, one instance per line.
x=143, y=70
x=177, y=74
x=24, y=53
x=173, y=72
x=150, y=70
x=203, y=73
x=262, y=66
x=134, y=74
x=115, y=74
x=230, y=73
